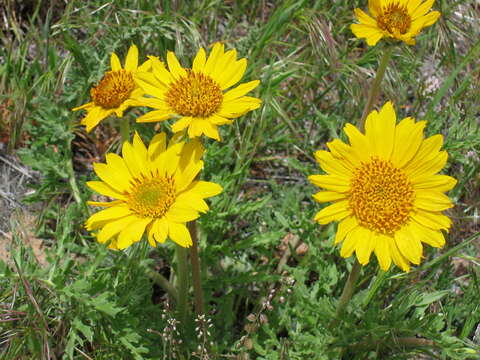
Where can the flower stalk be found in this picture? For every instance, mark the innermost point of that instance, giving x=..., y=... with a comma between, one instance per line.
x=182, y=282
x=375, y=89
x=196, y=272
x=348, y=288
x=125, y=129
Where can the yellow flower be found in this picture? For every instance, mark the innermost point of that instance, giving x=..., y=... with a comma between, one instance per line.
x=116, y=91
x=155, y=191
x=385, y=190
x=397, y=19
x=197, y=96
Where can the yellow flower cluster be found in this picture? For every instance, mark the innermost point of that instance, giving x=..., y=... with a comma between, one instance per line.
x=155, y=189
x=200, y=97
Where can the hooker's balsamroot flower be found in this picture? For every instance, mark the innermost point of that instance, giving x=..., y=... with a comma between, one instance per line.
x=155, y=191
x=385, y=190
x=197, y=96
x=397, y=19
x=116, y=91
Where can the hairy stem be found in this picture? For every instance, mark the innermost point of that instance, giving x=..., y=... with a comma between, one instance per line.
x=347, y=292
x=182, y=283
x=375, y=89
x=196, y=272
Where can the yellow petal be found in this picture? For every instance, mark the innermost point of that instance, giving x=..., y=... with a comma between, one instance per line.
x=216, y=53
x=432, y=220
x=205, y=189
x=99, y=218
x=382, y=251
x=238, y=107
x=432, y=201
x=434, y=183
x=364, y=245
x=337, y=211
x=348, y=245
x=182, y=124
x=113, y=228
x=240, y=90
x=181, y=214
x=428, y=169
x=331, y=182
x=154, y=116
x=104, y=189
x=174, y=66
x=331, y=165
x=422, y=9
x=230, y=78
x=344, y=227
x=431, y=237
x=84, y=106
x=343, y=152
x=186, y=176
x=135, y=161
x=115, y=62
x=149, y=83
x=428, y=151
x=132, y=233
x=223, y=64
x=375, y=7
x=371, y=33
x=157, y=146
x=364, y=18
x=397, y=257
x=179, y=234
x=192, y=201
x=409, y=246
x=408, y=138
x=327, y=196
x=131, y=63
x=160, y=72
x=374, y=38
x=117, y=165
x=360, y=143
x=412, y=5
x=199, y=61
x=160, y=229
x=94, y=116
x=117, y=181
x=380, y=130
x=150, y=234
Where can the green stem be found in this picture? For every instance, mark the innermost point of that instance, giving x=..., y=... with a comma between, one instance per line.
x=161, y=281
x=196, y=272
x=125, y=129
x=347, y=291
x=73, y=182
x=375, y=89
x=182, y=283
x=374, y=288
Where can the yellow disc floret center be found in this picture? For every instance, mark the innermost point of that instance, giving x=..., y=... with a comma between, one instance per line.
x=196, y=95
x=152, y=197
x=113, y=89
x=394, y=19
x=381, y=196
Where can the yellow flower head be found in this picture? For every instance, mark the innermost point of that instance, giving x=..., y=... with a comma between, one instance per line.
x=197, y=96
x=385, y=190
x=116, y=91
x=155, y=191
x=397, y=19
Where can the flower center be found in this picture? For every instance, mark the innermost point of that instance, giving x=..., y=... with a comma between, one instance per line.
x=152, y=197
x=381, y=196
x=114, y=88
x=394, y=19
x=195, y=95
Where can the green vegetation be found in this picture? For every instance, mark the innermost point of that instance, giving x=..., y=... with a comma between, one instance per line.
x=271, y=276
